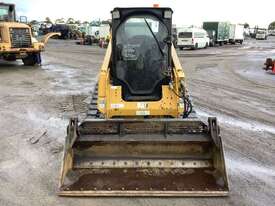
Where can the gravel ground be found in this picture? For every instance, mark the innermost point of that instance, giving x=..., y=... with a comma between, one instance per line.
x=227, y=82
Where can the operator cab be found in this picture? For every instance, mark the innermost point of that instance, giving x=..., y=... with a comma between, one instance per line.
x=7, y=12
x=141, y=60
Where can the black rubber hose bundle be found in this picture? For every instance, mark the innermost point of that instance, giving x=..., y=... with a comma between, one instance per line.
x=188, y=107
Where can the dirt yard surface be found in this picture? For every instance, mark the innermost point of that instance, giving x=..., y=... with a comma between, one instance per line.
x=227, y=82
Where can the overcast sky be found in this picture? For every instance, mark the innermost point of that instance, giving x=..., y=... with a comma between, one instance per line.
x=186, y=12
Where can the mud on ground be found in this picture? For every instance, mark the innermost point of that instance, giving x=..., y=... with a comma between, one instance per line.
x=227, y=82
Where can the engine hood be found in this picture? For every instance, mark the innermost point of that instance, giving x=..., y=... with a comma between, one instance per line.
x=13, y=25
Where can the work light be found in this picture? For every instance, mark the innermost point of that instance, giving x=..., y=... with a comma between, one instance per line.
x=168, y=14
x=116, y=14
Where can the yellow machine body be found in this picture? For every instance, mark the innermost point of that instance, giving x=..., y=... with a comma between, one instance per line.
x=5, y=41
x=111, y=103
x=14, y=35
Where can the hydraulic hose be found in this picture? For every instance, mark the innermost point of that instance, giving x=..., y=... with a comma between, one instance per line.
x=188, y=107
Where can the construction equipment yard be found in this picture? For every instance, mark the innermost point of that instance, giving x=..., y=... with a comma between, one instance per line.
x=227, y=82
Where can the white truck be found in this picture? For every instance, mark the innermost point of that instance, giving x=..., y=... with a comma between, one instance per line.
x=261, y=34
x=272, y=32
x=104, y=31
x=236, y=33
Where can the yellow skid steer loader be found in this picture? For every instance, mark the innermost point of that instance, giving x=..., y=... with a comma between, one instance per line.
x=140, y=136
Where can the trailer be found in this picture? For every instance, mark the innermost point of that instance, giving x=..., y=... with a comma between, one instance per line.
x=236, y=33
x=218, y=32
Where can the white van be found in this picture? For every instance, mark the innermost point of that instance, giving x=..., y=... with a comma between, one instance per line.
x=193, y=38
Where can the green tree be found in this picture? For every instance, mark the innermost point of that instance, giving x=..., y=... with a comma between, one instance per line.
x=48, y=20
x=34, y=22
x=60, y=21
x=78, y=22
x=70, y=21
x=246, y=25
x=271, y=26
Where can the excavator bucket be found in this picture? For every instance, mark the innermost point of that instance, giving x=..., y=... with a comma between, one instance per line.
x=143, y=157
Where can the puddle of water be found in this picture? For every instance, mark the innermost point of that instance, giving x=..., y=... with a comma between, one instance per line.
x=248, y=166
x=67, y=72
x=54, y=127
x=9, y=164
x=267, y=111
x=252, y=126
x=262, y=52
x=251, y=168
x=244, y=47
x=258, y=75
x=68, y=80
x=43, y=120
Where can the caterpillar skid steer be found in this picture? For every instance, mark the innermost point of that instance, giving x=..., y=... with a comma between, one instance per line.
x=140, y=136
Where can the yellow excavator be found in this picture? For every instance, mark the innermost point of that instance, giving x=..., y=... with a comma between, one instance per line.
x=141, y=136
x=16, y=39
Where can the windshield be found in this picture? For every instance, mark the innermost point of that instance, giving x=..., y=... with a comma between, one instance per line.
x=185, y=35
x=141, y=51
x=6, y=14
x=143, y=28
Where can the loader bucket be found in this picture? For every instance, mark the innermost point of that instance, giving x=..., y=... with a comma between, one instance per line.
x=162, y=157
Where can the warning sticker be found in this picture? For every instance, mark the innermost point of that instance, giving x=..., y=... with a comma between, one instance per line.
x=142, y=113
x=117, y=106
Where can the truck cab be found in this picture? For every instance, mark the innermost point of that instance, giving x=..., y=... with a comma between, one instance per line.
x=261, y=34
